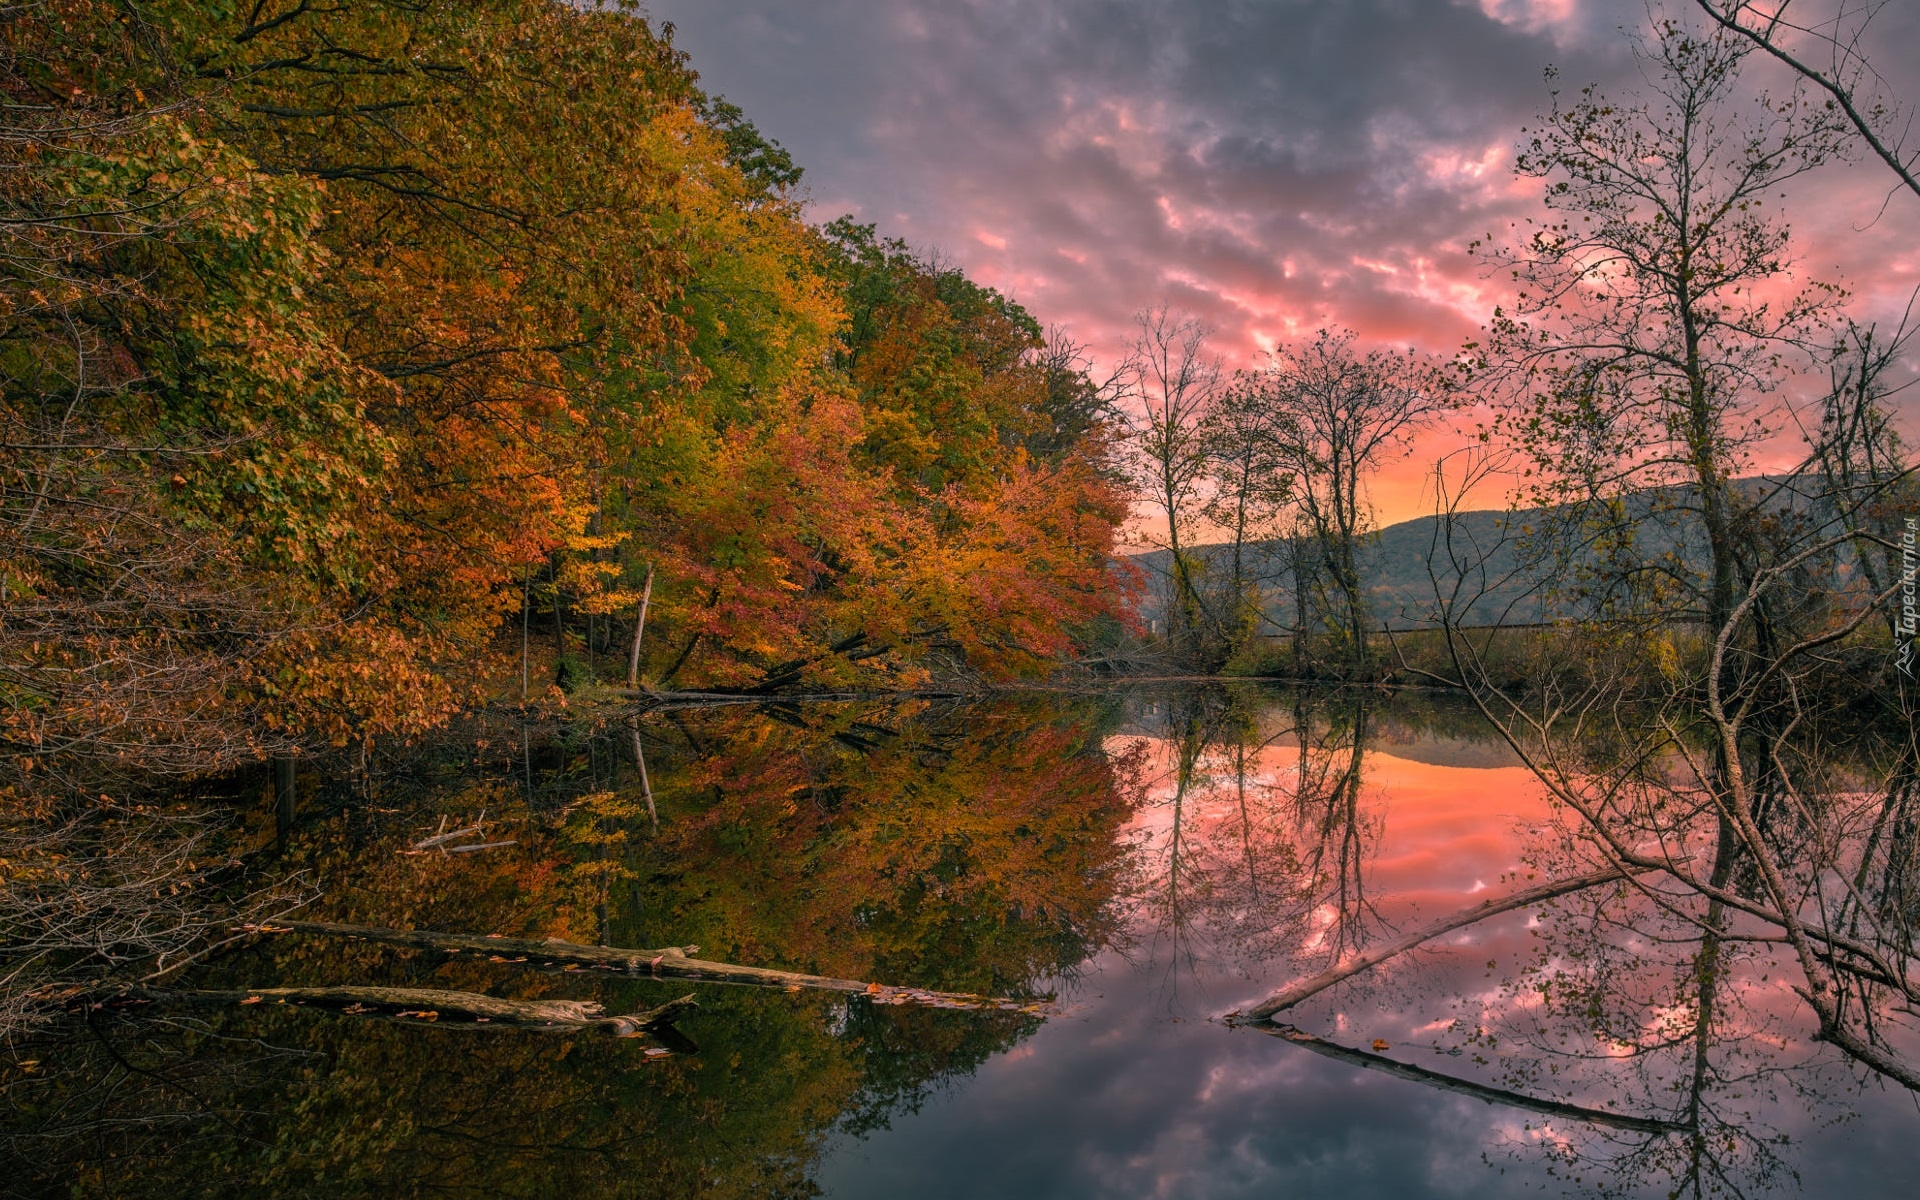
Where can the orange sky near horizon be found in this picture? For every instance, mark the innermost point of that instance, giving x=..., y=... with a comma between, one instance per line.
x=1270, y=166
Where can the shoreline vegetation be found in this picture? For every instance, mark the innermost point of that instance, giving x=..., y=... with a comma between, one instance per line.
x=403, y=374
x=369, y=364
x=352, y=350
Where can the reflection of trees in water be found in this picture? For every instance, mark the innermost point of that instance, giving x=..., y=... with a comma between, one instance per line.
x=922, y=846
x=1639, y=1007
x=1743, y=863
x=1247, y=858
x=1653, y=1040
x=979, y=848
x=1175, y=877
x=1681, y=994
x=971, y=850
x=1334, y=829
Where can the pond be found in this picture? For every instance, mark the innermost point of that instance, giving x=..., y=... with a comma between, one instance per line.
x=1126, y=869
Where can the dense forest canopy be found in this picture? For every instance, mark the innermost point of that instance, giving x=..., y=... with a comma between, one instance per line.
x=340, y=340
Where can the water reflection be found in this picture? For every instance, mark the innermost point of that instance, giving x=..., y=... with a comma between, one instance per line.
x=1657, y=1044
x=1151, y=861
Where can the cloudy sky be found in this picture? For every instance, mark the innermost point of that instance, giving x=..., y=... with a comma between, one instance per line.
x=1271, y=165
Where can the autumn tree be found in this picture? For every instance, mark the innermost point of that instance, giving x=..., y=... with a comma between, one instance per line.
x=336, y=335
x=580, y=362
x=996, y=453
x=183, y=446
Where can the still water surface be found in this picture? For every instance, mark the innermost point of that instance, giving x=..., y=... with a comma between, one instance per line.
x=1152, y=861
x=1139, y=1089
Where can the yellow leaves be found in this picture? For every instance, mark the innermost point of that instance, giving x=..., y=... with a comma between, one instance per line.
x=1664, y=656
x=581, y=543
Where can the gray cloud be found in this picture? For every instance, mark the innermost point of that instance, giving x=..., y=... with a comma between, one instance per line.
x=1272, y=165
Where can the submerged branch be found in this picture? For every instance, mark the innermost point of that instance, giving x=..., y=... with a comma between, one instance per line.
x=464, y=1009
x=651, y=701
x=1294, y=993
x=670, y=962
x=1466, y=1087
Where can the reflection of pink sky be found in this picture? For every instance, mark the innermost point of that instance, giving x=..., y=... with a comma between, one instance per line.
x=1441, y=838
x=1447, y=833
x=1134, y=1092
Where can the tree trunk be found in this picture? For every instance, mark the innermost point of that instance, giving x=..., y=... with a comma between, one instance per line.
x=424, y=1005
x=639, y=629
x=1298, y=991
x=1346, y=574
x=1468, y=1087
x=284, y=797
x=646, y=785
x=526, y=619
x=559, y=616
x=1298, y=551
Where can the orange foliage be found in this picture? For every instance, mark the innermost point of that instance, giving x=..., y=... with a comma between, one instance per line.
x=444, y=300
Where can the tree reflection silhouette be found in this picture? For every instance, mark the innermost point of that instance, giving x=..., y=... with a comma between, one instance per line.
x=1641, y=1035
x=969, y=848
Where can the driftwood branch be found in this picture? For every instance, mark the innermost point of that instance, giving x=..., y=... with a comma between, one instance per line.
x=649, y=701
x=1466, y=1087
x=1294, y=993
x=670, y=962
x=419, y=1005
x=442, y=839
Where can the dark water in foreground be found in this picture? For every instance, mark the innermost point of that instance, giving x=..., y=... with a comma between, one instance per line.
x=1151, y=861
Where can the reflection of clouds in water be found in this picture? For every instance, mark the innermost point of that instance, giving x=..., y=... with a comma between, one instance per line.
x=1149, y=1109
x=1448, y=831
x=1133, y=1096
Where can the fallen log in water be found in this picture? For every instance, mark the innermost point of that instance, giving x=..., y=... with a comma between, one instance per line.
x=1300, y=990
x=650, y=701
x=1467, y=1087
x=418, y=1005
x=669, y=962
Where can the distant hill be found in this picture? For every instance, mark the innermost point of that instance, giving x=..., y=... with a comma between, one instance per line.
x=1402, y=565
x=1394, y=568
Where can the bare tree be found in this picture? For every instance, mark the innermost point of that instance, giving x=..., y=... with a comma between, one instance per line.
x=1251, y=494
x=1642, y=351
x=1340, y=413
x=1175, y=383
x=1711, y=762
x=1828, y=50
x=1721, y=780
x=1080, y=401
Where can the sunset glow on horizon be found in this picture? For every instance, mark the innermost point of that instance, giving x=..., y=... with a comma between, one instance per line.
x=1272, y=168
